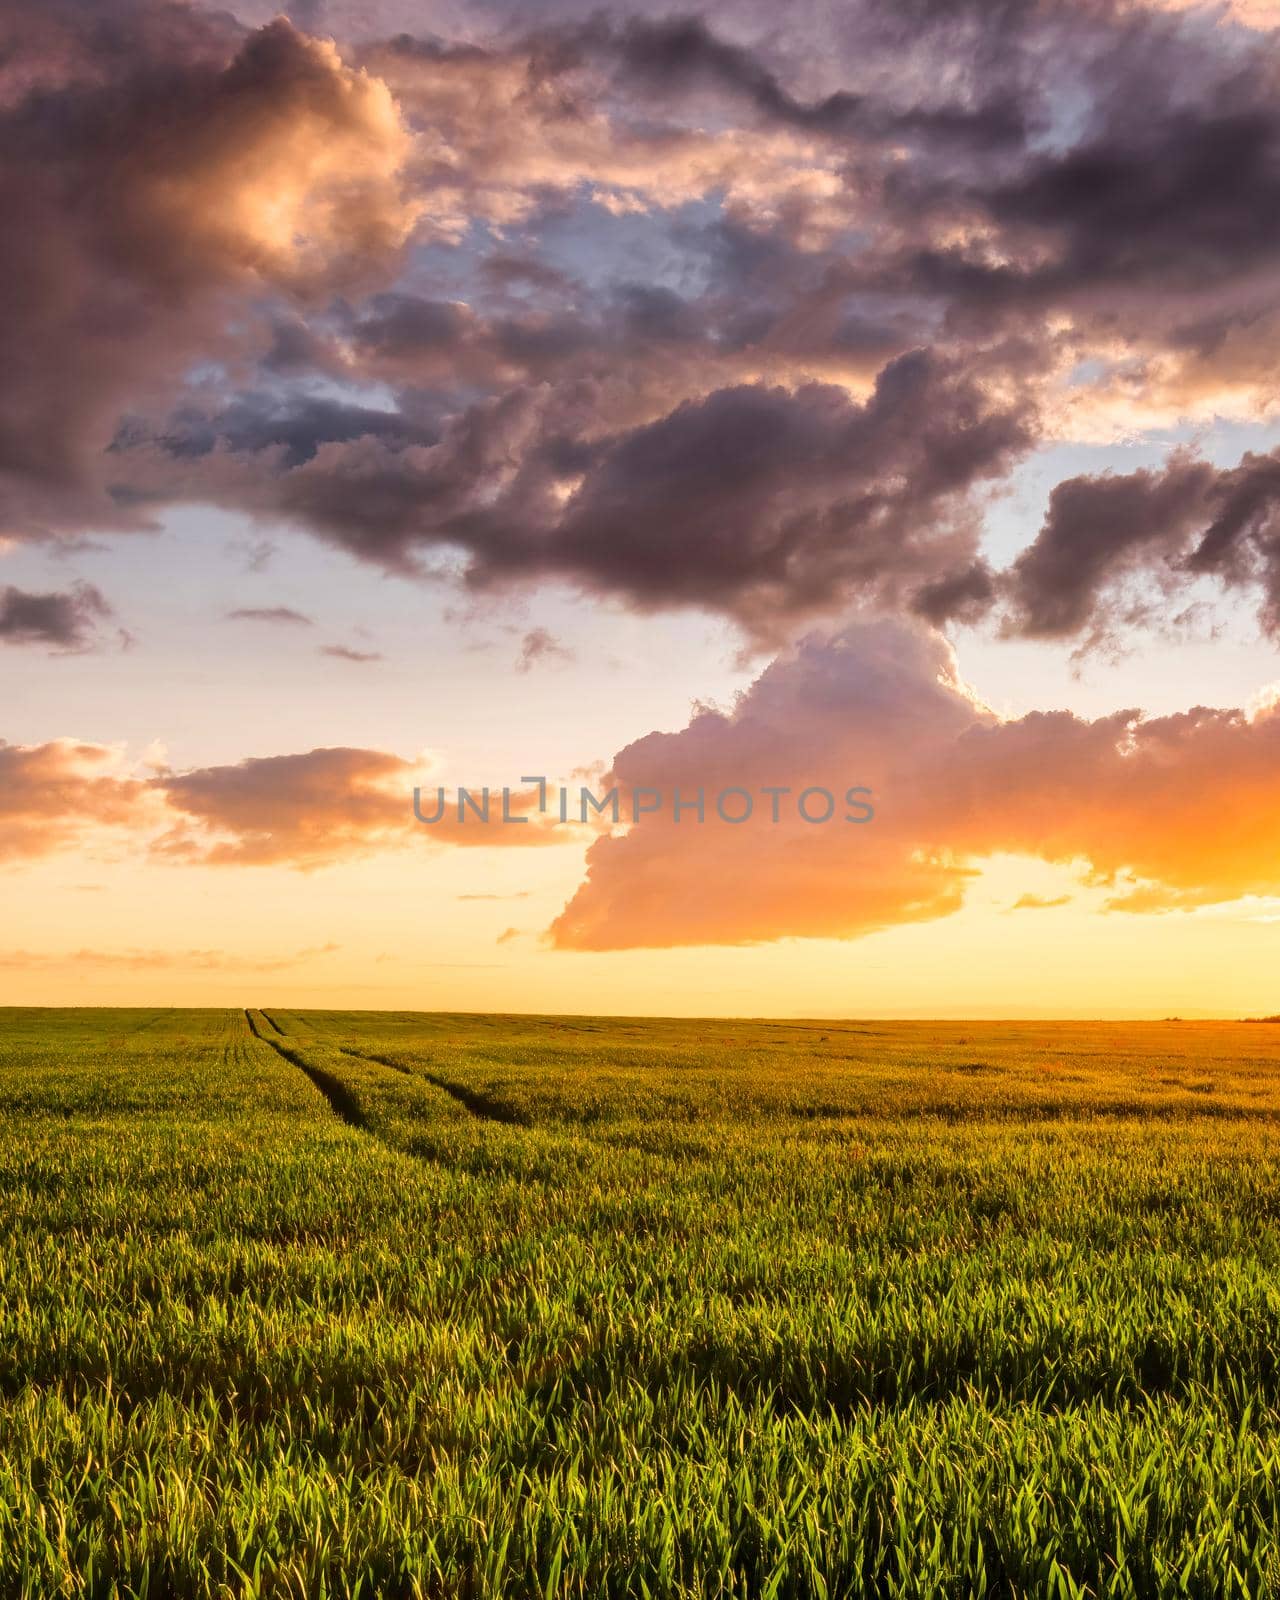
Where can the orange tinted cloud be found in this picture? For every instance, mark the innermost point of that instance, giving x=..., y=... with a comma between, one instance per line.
x=53, y=795
x=312, y=809
x=141, y=191
x=325, y=806
x=307, y=809
x=1186, y=806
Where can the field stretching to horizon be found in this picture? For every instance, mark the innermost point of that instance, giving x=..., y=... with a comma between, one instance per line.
x=336, y=1304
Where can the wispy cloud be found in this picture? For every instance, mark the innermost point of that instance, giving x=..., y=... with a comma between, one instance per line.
x=136, y=960
x=342, y=652
x=1037, y=902
x=282, y=614
x=539, y=645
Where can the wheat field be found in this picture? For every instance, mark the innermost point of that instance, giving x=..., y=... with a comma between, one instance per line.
x=360, y=1304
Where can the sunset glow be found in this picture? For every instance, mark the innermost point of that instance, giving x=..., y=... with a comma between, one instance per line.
x=445, y=398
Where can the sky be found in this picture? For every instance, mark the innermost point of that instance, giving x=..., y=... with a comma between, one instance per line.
x=873, y=402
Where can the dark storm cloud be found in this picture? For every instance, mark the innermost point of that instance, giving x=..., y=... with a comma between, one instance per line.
x=155, y=164
x=759, y=502
x=1175, y=206
x=1188, y=520
x=293, y=431
x=412, y=337
x=964, y=594
x=1150, y=213
x=1188, y=195
x=758, y=499
x=698, y=311
x=663, y=58
x=408, y=325
x=1098, y=529
x=66, y=619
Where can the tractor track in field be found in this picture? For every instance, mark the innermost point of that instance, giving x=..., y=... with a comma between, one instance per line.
x=151, y=1021
x=476, y=1101
x=340, y=1098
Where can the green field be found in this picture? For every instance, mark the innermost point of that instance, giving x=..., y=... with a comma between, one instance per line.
x=320, y=1303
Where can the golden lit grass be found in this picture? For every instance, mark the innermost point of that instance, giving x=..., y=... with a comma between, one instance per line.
x=333, y=1304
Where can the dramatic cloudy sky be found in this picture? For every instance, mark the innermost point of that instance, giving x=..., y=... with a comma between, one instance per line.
x=443, y=393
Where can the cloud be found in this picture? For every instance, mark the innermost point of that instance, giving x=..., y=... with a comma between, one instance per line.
x=676, y=56
x=342, y=652
x=965, y=594
x=1037, y=902
x=311, y=809
x=827, y=291
x=155, y=170
x=285, y=433
x=284, y=614
x=1171, y=811
x=1103, y=535
x=322, y=807
x=759, y=502
x=57, y=795
x=1097, y=531
x=510, y=126
x=540, y=645
x=836, y=714
x=67, y=620
x=135, y=960
x=1179, y=810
